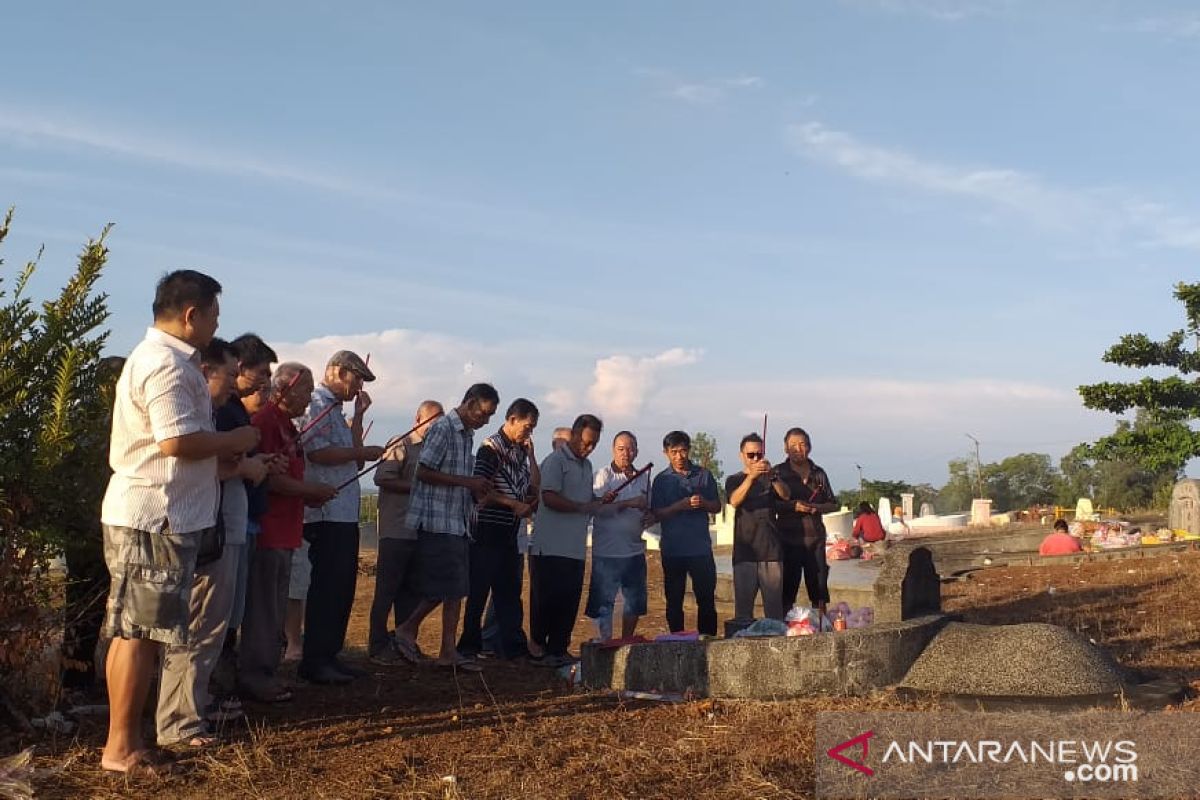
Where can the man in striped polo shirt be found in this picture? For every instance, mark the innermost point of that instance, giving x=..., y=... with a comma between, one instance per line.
x=506, y=459
x=161, y=500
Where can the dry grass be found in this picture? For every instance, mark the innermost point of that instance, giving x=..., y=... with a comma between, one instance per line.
x=521, y=732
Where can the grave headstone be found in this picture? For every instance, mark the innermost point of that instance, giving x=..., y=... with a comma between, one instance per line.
x=926, y=510
x=906, y=502
x=908, y=585
x=981, y=511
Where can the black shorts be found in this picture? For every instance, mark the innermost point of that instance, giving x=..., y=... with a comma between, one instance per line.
x=442, y=564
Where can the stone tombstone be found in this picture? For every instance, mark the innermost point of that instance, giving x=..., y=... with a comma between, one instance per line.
x=885, y=511
x=926, y=510
x=1184, y=514
x=981, y=512
x=908, y=585
x=906, y=502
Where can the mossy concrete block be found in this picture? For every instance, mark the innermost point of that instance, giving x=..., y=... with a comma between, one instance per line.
x=846, y=662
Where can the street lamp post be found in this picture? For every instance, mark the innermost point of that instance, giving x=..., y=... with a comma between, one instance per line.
x=978, y=465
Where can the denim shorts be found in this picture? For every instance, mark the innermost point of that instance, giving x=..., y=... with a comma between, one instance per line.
x=628, y=575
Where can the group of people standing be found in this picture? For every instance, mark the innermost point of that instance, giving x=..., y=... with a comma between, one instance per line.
x=232, y=518
x=778, y=532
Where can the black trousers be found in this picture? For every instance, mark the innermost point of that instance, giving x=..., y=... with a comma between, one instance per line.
x=496, y=569
x=395, y=589
x=805, y=560
x=333, y=551
x=555, y=588
x=703, y=572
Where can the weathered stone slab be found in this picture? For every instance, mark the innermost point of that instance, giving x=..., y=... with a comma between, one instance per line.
x=846, y=662
x=908, y=584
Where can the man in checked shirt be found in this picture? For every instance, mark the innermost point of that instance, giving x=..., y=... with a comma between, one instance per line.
x=443, y=497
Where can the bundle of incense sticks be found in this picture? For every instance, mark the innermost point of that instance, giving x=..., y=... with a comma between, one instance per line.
x=631, y=479
x=397, y=441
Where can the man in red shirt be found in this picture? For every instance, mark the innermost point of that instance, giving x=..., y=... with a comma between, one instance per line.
x=1060, y=542
x=282, y=525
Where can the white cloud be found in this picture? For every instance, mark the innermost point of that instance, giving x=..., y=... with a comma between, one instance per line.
x=699, y=93
x=1179, y=26
x=39, y=127
x=1012, y=192
x=898, y=428
x=622, y=383
x=941, y=10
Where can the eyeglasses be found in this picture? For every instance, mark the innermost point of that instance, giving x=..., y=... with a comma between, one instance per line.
x=754, y=456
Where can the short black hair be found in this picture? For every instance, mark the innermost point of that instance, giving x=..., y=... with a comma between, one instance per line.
x=482, y=392
x=865, y=508
x=522, y=408
x=183, y=289
x=751, y=437
x=252, y=351
x=588, y=421
x=677, y=439
x=798, y=432
x=1061, y=525
x=217, y=353
x=625, y=433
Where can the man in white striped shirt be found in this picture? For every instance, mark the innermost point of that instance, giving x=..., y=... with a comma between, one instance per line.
x=161, y=500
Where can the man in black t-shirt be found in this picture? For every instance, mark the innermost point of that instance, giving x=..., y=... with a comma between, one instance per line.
x=757, y=554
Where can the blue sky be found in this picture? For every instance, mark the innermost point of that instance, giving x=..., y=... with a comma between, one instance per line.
x=892, y=222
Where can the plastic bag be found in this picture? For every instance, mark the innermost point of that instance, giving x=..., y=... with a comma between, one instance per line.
x=763, y=627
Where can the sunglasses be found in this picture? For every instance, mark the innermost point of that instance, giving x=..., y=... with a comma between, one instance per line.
x=754, y=456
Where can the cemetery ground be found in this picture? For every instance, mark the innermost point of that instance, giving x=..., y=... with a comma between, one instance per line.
x=521, y=731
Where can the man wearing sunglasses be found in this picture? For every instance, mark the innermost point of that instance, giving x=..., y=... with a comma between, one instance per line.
x=757, y=553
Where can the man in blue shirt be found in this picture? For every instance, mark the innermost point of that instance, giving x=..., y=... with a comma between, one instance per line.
x=681, y=499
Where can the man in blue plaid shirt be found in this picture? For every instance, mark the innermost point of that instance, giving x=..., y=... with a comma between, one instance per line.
x=443, y=496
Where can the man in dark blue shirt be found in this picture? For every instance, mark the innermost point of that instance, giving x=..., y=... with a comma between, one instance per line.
x=681, y=499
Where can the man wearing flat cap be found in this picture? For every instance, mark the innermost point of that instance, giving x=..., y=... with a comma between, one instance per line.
x=335, y=453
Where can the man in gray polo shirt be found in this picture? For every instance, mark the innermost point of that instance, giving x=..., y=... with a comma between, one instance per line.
x=396, y=568
x=559, y=547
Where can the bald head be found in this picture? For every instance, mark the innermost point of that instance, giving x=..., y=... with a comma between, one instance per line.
x=427, y=410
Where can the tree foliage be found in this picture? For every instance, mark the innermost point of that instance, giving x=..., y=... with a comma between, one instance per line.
x=704, y=453
x=1115, y=476
x=872, y=490
x=53, y=430
x=1020, y=481
x=1161, y=439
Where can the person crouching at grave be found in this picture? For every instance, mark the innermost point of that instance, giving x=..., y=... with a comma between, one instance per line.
x=334, y=452
x=868, y=528
x=1060, y=542
x=682, y=497
x=396, y=570
x=280, y=529
x=801, y=529
x=618, y=550
x=183, y=698
x=442, y=499
x=757, y=552
x=559, y=547
x=507, y=460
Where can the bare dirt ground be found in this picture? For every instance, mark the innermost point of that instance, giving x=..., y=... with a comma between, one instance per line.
x=521, y=731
